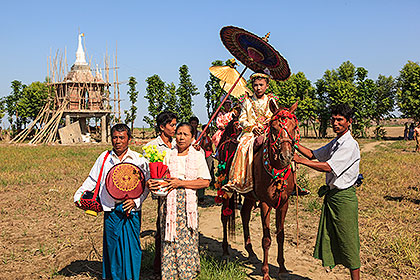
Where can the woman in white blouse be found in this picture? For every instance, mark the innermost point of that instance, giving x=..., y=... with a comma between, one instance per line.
x=179, y=212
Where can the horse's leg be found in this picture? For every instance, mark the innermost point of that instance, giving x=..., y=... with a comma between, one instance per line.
x=246, y=216
x=266, y=240
x=280, y=217
x=224, y=218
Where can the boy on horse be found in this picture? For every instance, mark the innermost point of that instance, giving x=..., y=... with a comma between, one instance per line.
x=338, y=233
x=255, y=114
x=254, y=118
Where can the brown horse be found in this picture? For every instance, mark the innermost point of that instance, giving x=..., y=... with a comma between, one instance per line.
x=274, y=181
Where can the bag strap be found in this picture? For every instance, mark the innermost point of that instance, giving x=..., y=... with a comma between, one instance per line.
x=98, y=183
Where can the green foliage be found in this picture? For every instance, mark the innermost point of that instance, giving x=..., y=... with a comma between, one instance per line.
x=2, y=108
x=214, y=269
x=11, y=103
x=132, y=94
x=33, y=100
x=162, y=96
x=24, y=102
x=185, y=91
x=213, y=91
x=348, y=84
x=156, y=95
x=172, y=102
x=297, y=88
x=408, y=93
x=384, y=97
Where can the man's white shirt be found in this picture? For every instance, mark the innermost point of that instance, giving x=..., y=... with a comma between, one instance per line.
x=343, y=156
x=108, y=203
x=160, y=145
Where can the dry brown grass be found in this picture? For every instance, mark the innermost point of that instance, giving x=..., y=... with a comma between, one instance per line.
x=42, y=235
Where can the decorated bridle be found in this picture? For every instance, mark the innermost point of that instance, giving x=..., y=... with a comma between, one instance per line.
x=280, y=175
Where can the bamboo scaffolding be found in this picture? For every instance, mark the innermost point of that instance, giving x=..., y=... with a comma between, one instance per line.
x=50, y=127
x=24, y=133
x=91, y=95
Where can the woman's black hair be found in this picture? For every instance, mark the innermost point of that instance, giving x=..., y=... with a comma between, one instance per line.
x=163, y=119
x=121, y=127
x=185, y=124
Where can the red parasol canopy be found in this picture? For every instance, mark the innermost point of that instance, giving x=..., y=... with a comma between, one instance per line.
x=254, y=52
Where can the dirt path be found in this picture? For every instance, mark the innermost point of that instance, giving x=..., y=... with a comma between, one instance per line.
x=299, y=261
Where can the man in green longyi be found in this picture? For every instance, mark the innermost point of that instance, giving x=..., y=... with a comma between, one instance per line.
x=338, y=233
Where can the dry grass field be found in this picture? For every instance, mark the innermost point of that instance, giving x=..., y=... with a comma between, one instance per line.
x=43, y=236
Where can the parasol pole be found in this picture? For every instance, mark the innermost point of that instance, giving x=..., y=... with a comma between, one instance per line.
x=220, y=106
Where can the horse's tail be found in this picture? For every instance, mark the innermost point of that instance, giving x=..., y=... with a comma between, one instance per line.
x=233, y=202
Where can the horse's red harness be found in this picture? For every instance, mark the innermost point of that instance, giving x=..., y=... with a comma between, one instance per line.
x=279, y=175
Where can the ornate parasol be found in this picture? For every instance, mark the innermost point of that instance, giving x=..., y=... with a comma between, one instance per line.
x=237, y=91
x=228, y=76
x=124, y=181
x=254, y=52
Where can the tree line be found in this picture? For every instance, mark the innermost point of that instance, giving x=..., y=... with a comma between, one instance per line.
x=372, y=100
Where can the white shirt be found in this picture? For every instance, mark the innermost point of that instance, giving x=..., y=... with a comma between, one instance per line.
x=160, y=145
x=343, y=156
x=202, y=172
x=108, y=203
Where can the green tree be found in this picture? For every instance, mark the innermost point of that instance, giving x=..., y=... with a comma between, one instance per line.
x=33, y=100
x=132, y=94
x=213, y=91
x=384, y=97
x=408, y=92
x=171, y=102
x=297, y=88
x=11, y=102
x=2, y=109
x=349, y=85
x=185, y=91
x=156, y=96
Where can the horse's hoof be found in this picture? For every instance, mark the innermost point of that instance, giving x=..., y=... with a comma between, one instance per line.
x=283, y=270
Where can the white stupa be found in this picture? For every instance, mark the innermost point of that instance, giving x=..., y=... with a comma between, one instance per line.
x=80, y=53
x=80, y=71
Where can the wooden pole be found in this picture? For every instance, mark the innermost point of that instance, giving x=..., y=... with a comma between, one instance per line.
x=297, y=215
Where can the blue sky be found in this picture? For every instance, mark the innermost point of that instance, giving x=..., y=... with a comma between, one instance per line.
x=157, y=37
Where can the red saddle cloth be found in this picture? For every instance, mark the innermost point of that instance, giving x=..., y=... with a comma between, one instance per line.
x=125, y=181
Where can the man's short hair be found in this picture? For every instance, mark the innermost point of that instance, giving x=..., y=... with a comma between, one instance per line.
x=342, y=109
x=164, y=118
x=121, y=127
x=194, y=118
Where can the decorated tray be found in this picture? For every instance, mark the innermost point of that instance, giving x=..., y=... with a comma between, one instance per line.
x=125, y=181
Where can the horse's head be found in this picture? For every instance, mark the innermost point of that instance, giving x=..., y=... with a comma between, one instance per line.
x=283, y=134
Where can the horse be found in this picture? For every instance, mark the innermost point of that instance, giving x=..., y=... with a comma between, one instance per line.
x=226, y=150
x=274, y=181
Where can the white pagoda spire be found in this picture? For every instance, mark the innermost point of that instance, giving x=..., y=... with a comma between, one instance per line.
x=80, y=54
